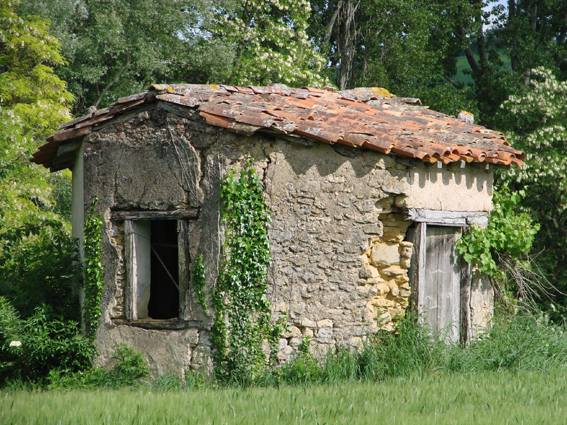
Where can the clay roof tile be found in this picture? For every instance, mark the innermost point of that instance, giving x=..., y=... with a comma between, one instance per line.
x=364, y=117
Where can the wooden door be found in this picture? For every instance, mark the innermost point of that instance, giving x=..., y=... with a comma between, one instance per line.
x=440, y=292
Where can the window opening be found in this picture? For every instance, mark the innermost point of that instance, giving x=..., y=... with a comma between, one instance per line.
x=164, y=266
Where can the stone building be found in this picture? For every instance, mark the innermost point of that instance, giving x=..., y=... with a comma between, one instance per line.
x=368, y=196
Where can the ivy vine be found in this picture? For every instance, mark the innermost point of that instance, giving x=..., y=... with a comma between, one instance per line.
x=242, y=322
x=93, y=279
x=199, y=282
x=500, y=249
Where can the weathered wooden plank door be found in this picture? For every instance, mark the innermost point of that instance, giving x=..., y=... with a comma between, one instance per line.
x=439, y=298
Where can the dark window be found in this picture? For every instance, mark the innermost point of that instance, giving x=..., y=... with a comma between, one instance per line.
x=157, y=264
x=164, y=284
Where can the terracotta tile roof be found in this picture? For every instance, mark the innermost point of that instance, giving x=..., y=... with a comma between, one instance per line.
x=363, y=117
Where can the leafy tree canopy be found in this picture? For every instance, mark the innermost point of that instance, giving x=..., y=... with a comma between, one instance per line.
x=33, y=102
x=538, y=121
x=271, y=43
x=118, y=47
x=36, y=250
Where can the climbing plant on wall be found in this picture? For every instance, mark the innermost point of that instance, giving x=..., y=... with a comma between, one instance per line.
x=93, y=280
x=500, y=250
x=242, y=321
x=199, y=282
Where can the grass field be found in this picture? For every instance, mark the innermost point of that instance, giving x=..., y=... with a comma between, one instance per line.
x=479, y=398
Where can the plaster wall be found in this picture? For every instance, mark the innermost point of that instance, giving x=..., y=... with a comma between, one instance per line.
x=78, y=212
x=450, y=188
x=482, y=304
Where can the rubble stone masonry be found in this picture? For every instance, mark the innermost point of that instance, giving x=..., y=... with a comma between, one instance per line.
x=339, y=256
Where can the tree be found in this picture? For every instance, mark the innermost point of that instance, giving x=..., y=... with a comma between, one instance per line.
x=36, y=249
x=536, y=33
x=118, y=47
x=402, y=45
x=539, y=128
x=33, y=102
x=384, y=41
x=271, y=43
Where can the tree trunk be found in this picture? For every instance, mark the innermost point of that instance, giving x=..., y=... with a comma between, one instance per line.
x=331, y=23
x=348, y=35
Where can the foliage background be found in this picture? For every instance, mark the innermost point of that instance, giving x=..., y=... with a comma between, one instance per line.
x=58, y=58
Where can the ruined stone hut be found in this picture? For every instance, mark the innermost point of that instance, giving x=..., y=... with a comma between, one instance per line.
x=368, y=196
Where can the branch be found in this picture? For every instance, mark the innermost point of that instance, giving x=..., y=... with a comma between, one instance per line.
x=468, y=52
x=454, y=83
x=111, y=83
x=331, y=23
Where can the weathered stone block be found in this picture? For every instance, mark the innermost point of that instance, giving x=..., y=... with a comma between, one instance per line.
x=385, y=255
x=373, y=229
x=307, y=332
x=306, y=323
x=382, y=302
x=393, y=271
x=284, y=354
x=325, y=323
x=394, y=290
x=291, y=332
x=295, y=342
x=383, y=289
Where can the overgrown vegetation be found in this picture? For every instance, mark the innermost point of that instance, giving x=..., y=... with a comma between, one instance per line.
x=242, y=321
x=128, y=371
x=39, y=266
x=516, y=343
x=31, y=348
x=501, y=251
x=198, y=282
x=93, y=279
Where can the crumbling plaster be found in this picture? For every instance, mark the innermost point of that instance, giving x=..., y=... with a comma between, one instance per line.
x=339, y=259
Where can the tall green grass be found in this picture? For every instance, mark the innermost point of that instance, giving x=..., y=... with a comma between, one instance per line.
x=518, y=343
x=514, y=373
x=470, y=398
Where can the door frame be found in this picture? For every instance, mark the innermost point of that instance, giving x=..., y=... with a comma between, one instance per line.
x=458, y=219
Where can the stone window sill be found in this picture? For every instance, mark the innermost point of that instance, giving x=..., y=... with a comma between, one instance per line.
x=166, y=324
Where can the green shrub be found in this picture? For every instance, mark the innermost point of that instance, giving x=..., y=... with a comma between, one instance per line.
x=31, y=348
x=129, y=371
x=39, y=266
x=303, y=369
x=166, y=382
x=10, y=330
x=51, y=343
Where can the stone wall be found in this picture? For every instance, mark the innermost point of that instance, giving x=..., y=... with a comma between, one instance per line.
x=335, y=243
x=339, y=256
